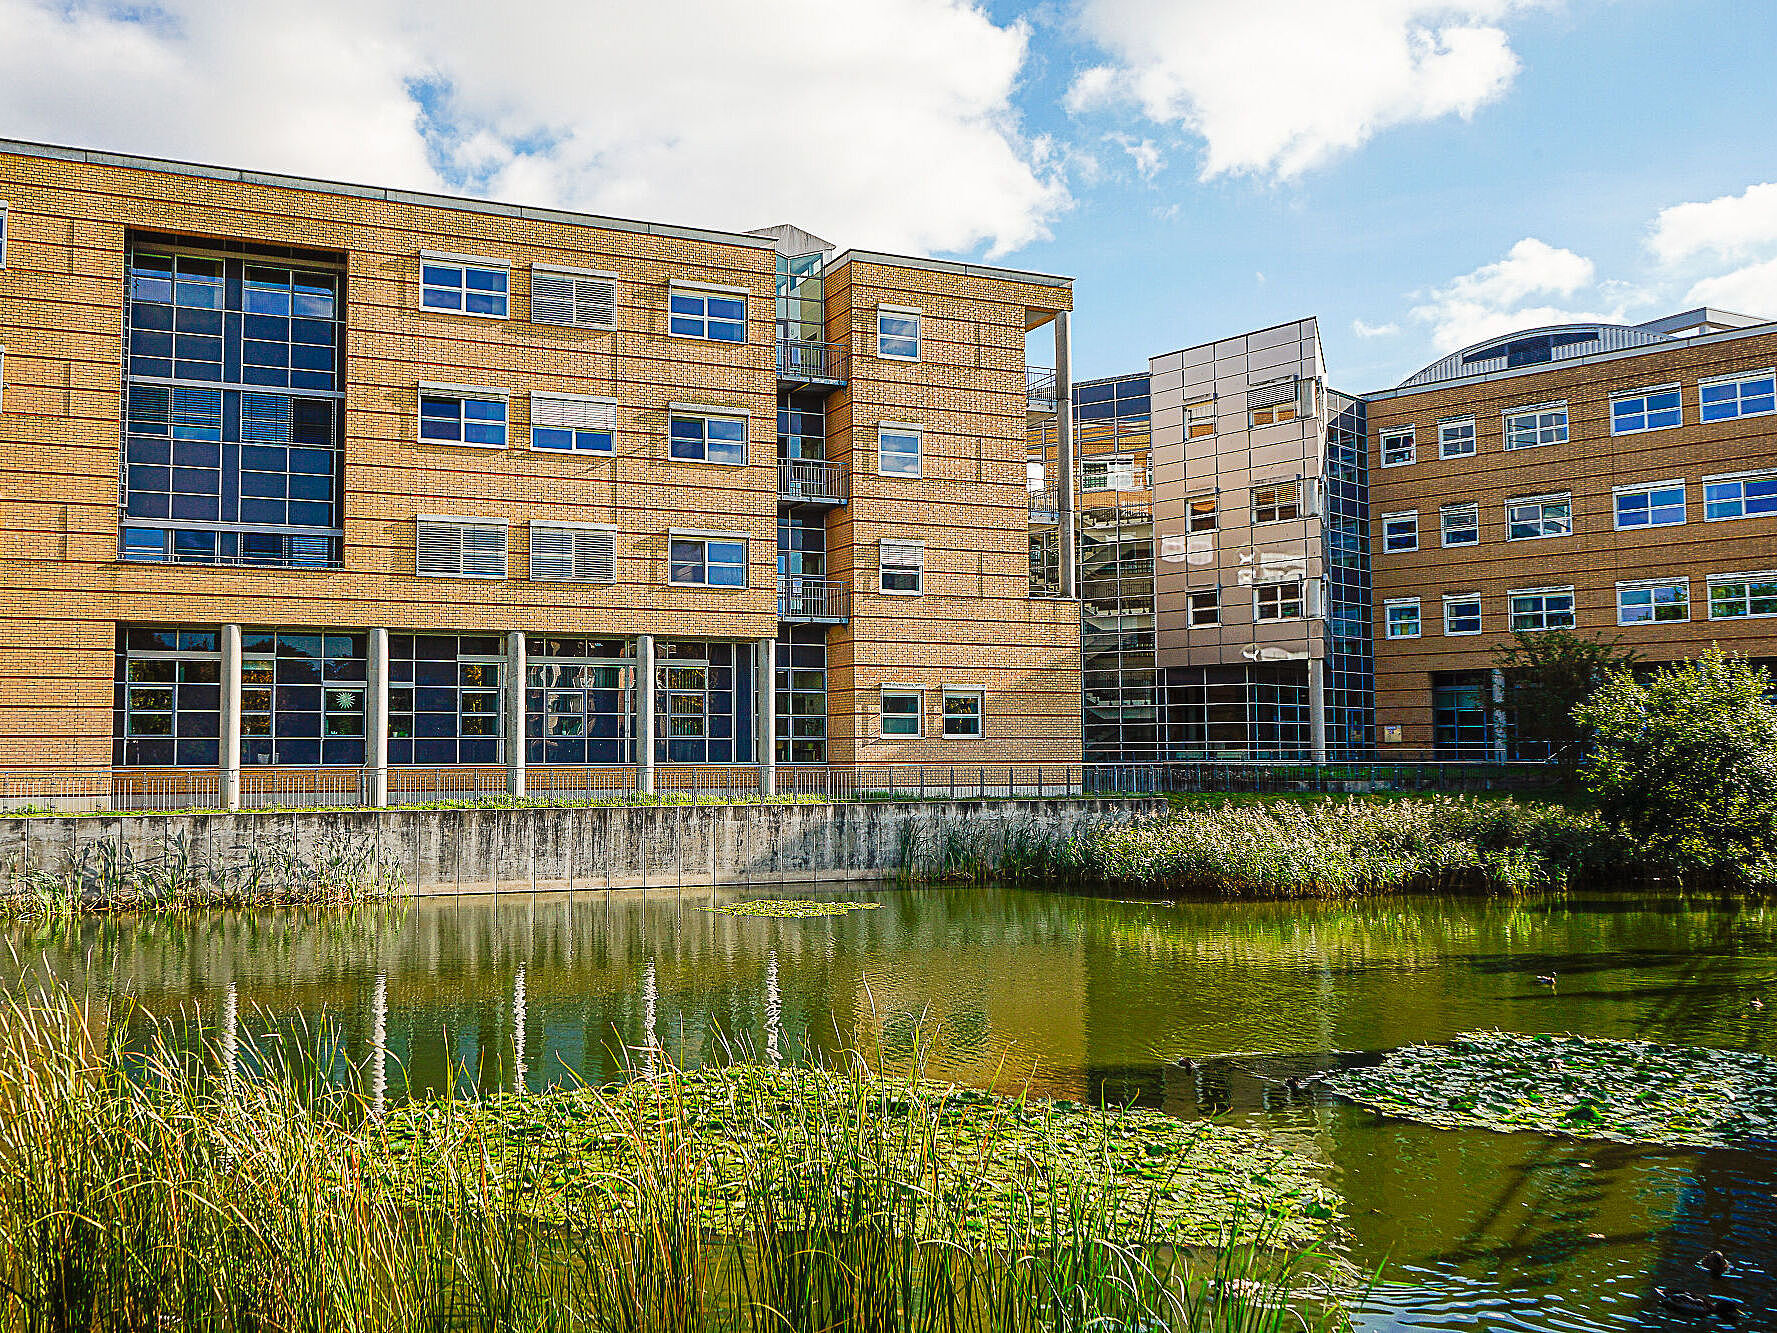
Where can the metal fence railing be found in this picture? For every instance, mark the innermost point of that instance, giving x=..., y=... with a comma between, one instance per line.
x=1041, y=388
x=25, y=791
x=811, y=481
x=803, y=597
x=807, y=361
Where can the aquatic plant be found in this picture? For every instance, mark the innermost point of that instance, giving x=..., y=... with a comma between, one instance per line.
x=1579, y=1087
x=1332, y=849
x=143, y=1188
x=792, y=907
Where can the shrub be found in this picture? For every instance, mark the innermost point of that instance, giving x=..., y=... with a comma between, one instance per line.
x=1684, y=762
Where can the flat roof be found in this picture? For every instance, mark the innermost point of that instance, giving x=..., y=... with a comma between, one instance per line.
x=952, y=266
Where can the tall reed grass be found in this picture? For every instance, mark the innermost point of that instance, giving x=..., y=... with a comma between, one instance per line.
x=146, y=1190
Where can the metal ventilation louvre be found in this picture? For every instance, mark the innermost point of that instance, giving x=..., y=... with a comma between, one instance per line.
x=565, y=413
x=575, y=298
x=1274, y=394
x=454, y=549
x=573, y=553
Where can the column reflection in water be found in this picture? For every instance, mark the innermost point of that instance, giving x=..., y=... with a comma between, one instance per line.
x=774, y=1009
x=518, y=1022
x=231, y=1032
x=379, y=1042
x=650, y=1005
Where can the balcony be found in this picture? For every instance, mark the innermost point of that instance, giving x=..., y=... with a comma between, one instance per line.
x=1040, y=389
x=805, y=364
x=1045, y=506
x=811, y=481
x=805, y=599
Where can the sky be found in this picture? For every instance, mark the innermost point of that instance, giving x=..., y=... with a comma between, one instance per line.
x=1419, y=174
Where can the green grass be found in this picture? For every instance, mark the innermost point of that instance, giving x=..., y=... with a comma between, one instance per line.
x=152, y=1189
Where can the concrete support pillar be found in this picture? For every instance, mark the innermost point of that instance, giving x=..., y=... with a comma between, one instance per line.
x=1317, y=708
x=229, y=756
x=1064, y=439
x=515, y=728
x=765, y=655
x=1497, y=740
x=376, y=717
x=645, y=713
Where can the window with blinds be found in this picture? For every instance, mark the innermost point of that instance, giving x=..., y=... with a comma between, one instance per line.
x=460, y=548
x=903, y=566
x=573, y=553
x=576, y=298
x=570, y=423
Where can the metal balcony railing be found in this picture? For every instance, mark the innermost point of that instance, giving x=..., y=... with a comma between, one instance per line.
x=806, y=598
x=811, y=481
x=1040, y=388
x=259, y=550
x=806, y=362
x=1045, y=506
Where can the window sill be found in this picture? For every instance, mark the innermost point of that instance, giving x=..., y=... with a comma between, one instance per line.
x=460, y=444
x=700, y=338
x=706, y=462
x=462, y=314
x=473, y=578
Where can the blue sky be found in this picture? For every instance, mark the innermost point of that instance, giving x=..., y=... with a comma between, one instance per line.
x=1417, y=173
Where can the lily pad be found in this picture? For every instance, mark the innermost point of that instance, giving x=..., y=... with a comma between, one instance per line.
x=791, y=907
x=745, y=1141
x=1575, y=1087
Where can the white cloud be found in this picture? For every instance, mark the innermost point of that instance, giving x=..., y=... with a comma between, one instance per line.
x=1731, y=227
x=1751, y=290
x=1144, y=153
x=1364, y=330
x=886, y=124
x=1496, y=298
x=1275, y=87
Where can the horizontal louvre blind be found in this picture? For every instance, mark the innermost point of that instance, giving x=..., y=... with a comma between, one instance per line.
x=265, y=418
x=465, y=550
x=573, y=413
x=573, y=299
x=579, y=555
x=903, y=555
x=1271, y=395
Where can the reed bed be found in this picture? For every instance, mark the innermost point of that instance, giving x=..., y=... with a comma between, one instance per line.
x=161, y=1188
x=1340, y=849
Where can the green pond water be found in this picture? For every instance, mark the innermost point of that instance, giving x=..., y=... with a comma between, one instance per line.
x=1084, y=998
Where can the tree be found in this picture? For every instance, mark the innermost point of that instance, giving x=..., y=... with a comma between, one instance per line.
x=1685, y=763
x=1549, y=673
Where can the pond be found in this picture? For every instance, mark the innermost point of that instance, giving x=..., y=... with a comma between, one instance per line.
x=1084, y=998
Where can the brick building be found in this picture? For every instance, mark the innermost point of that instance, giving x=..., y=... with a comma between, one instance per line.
x=327, y=479
x=1619, y=480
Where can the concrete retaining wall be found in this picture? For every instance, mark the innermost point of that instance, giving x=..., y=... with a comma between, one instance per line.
x=494, y=850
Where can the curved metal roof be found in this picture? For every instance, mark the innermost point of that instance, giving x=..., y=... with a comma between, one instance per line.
x=1532, y=347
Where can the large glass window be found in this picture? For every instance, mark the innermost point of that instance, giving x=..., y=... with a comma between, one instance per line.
x=1651, y=409
x=579, y=700
x=1739, y=497
x=302, y=697
x=1653, y=601
x=708, y=439
x=711, y=562
x=702, y=697
x=1660, y=506
x=1539, y=516
x=1459, y=713
x=445, y=700
x=1536, y=426
x=1742, y=596
x=802, y=695
x=701, y=314
x=464, y=286
x=1542, y=608
x=167, y=698
x=1740, y=396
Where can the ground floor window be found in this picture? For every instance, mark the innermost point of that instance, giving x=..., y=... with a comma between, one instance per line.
x=167, y=697
x=579, y=701
x=962, y=714
x=1460, y=707
x=702, y=703
x=445, y=698
x=801, y=690
x=302, y=697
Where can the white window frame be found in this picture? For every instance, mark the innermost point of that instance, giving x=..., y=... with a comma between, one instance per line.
x=583, y=544
x=1719, y=478
x=576, y=278
x=1295, y=487
x=607, y=424
x=1119, y=472
x=1400, y=517
x=1648, y=488
x=1455, y=599
x=463, y=393
x=1394, y=435
x=1444, y=449
x=1542, y=501
x=1748, y=579
x=1740, y=377
x=1201, y=617
x=1537, y=410
x=903, y=428
x=918, y=694
x=945, y=695
x=1652, y=585
x=1198, y=416
x=1388, y=620
x=1282, y=599
x=711, y=289
x=444, y=259
x=1562, y=590
x=1642, y=396
x=1193, y=514
x=1472, y=509
x=705, y=412
x=905, y=564
x=461, y=523
x=900, y=312
x=706, y=536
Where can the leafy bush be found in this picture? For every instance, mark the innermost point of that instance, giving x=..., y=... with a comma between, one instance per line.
x=1684, y=761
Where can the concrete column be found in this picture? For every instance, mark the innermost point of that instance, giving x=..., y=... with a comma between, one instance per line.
x=766, y=730
x=645, y=713
x=229, y=757
x=1317, y=708
x=1064, y=438
x=515, y=729
x=1498, y=739
x=376, y=717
